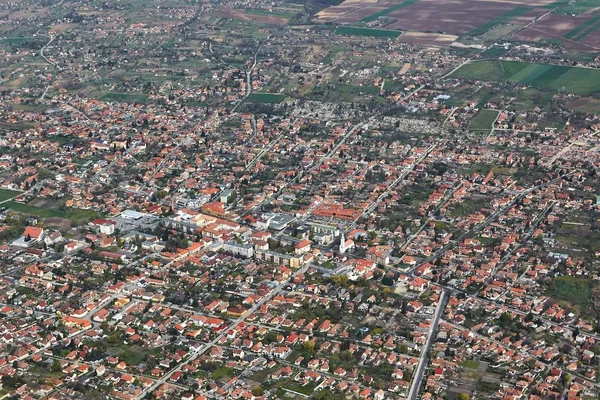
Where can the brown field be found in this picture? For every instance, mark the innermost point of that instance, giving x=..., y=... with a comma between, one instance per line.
x=555, y=26
x=455, y=17
x=427, y=39
x=264, y=19
x=592, y=40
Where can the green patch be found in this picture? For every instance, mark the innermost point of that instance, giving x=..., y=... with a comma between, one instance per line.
x=356, y=31
x=74, y=215
x=483, y=120
x=352, y=89
x=501, y=19
x=268, y=98
x=307, y=389
x=580, y=81
x=471, y=364
x=63, y=140
x=125, y=97
x=6, y=194
x=259, y=11
x=576, y=290
x=494, y=52
x=223, y=372
x=385, y=12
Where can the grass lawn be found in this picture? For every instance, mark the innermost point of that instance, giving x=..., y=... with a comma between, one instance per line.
x=472, y=364
x=268, y=98
x=370, y=89
x=223, y=372
x=575, y=290
x=74, y=215
x=483, y=120
x=580, y=81
x=6, y=194
x=125, y=97
x=307, y=389
x=62, y=139
x=356, y=31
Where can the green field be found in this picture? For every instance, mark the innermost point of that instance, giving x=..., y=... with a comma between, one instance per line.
x=125, y=97
x=576, y=290
x=6, y=194
x=501, y=19
x=260, y=11
x=353, y=89
x=356, y=31
x=580, y=81
x=268, y=98
x=385, y=12
x=73, y=214
x=483, y=120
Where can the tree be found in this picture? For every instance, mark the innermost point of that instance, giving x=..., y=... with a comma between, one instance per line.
x=257, y=391
x=309, y=346
x=55, y=366
x=463, y=396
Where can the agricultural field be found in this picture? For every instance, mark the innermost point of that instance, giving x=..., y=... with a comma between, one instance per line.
x=575, y=32
x=387, y=11
x=74, y=215
x=357, y=31
x=268, y=98
x=124, y=97
x=483, y=120
x=6, y=194
x=579, y=81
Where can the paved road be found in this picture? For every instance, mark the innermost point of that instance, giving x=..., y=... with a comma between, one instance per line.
x=223, y=333
x=424, y=358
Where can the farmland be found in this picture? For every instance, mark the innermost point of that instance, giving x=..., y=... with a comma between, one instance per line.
x=268, y=98
x=580, y=81
x=125, y=97
x=483, y=120
x=389, y=10
x=501, y=19
x=356, y=31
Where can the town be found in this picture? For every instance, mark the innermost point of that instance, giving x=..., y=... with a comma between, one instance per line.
x=286, y=200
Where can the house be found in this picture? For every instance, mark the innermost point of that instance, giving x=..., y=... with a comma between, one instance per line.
x=31, y=235
x=104, y=226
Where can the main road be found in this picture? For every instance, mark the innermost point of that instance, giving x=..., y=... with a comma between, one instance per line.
x=415, y=385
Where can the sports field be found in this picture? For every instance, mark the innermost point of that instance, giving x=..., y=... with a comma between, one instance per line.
x=580, y=81
x=355, y=31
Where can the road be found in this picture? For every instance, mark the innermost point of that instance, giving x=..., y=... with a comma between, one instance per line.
x=249, y=75
x=52, y=37
x=415, y=385
x=386, y=193
x=223, y=333
x=485, y=223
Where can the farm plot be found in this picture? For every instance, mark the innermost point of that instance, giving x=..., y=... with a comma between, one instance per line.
x=580, y=81
x=456, y=17
x=267, y=98
x=357, y=31
x=571, y=31
x=483, y=121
